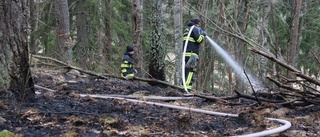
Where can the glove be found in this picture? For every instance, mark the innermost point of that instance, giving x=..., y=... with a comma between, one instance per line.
x=204, y=33
x=200, y=30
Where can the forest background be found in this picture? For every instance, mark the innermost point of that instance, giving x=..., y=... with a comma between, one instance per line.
x=93, y=35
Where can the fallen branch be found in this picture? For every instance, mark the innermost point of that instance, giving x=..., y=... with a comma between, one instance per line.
x=282, y=85
x=316, y=57
x=253, y=98
x=254, y=92
x=287, y=66
x=147, y=97
x=104, y=76
x=210, y=98
x=44, y=88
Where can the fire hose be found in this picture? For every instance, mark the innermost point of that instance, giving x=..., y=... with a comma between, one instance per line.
x=284, y=127
x=183, y=60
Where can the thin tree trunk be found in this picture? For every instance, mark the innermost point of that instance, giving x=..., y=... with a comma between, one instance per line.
x=108, y=38
x=177, y=13
x=34, y=15
x=137, y=34
x=276, y=67
x=242, y=22
x=15, y=71
x=227, y=43
x=295, y=33
x=64, y=45
x=81, y=48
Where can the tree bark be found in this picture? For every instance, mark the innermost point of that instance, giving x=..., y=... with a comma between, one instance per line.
x=82, y=51
x=108, y=37
x=34, y=15
x=293, y=53
x=243, y=12
x=177, y=13
x=15, y=71
x=157, y=51
x=137, y=35
x=227, y=43
x=64, y=45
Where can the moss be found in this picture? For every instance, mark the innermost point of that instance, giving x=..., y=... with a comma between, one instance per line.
x=77, y=121
x=70, y=134
x=6, y=133
x=108, y=120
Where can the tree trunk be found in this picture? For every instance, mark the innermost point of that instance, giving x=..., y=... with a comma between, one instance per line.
x=242, y=22
x=34, y=15
x=295, y=33
x=137, y=34
x=227, y=43
x=177, y=13
x=64, y=45
x=81, y=48
x=15, y=71
x=108, y=38
x=157, y=51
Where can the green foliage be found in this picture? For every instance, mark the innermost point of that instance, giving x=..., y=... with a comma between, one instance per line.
x=309, y=46
x=121, y=22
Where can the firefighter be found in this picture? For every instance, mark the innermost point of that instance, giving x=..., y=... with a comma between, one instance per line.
x=127, y=66
x=192, y=51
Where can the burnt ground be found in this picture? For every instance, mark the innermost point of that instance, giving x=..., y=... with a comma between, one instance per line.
x=63, y=112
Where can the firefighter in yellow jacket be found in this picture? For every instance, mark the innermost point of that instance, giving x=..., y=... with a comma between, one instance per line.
x=192, y=51
x=127, y=66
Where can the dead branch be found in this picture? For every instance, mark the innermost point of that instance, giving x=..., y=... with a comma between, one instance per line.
x=70, y=66
x=316, y=57
x=148, y=97
x=282, y=85
x=254, y=92
x=253, y=98
x=302, y=93
x=157, y=81
x=291, y=80
x=211, y=98
x=285, y=65
x=307, y=86
x=104, y=76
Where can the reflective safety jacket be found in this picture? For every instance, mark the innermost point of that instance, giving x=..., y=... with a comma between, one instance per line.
x=195, y=39
x=127, y=68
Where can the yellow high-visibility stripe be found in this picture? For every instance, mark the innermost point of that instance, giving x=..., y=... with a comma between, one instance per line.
x=200, y=38
x=126, y=66
x=130, y=75
x=189, y=78
x=191, y=53
x=190, y=39
x=188, y=87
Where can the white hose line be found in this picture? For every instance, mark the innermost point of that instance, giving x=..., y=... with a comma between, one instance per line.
x=148, y=97
x=183, y=60
x=286, y=125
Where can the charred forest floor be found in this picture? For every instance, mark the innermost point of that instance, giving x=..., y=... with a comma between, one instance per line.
x=63, y=112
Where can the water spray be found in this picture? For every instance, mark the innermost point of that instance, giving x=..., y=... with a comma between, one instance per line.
x=236, y=67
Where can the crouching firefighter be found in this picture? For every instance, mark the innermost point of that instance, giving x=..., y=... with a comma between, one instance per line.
x=127, y=66
x=192, y=51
